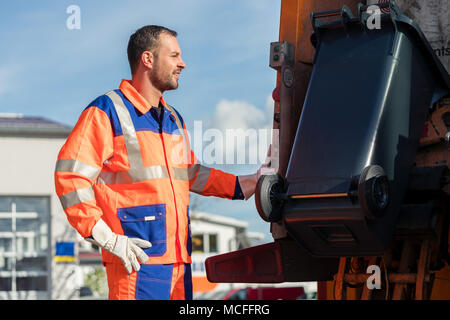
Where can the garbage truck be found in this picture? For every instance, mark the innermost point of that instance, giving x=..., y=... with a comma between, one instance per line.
x=362, y=154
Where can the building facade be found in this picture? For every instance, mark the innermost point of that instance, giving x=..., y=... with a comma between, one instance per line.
x=31, y=218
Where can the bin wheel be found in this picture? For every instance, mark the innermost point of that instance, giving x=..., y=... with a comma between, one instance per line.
x=373, y=191
x=268, y=202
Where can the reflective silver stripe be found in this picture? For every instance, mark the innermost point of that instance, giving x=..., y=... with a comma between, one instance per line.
x=77, y=196
x=130, y=137
x=119, y=177
x=192, y=171
x=180, y=174
x=76, y=166
x=154, y=172
x=200, y=181
x=122, y=177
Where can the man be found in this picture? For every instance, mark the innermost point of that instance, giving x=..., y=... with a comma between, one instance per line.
x=124, y=175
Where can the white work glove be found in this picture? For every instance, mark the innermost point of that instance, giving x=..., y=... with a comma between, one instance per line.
x=248, y=182
x=127, y=249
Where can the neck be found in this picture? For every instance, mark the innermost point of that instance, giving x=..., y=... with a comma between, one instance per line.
x=146, y=89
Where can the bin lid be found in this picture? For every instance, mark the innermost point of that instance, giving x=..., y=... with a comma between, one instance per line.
x=398, y=18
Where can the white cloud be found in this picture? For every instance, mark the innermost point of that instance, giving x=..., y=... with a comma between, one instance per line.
x=238, y=115
x=237, y=133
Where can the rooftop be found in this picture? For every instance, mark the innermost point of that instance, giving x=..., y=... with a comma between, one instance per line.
x=15, y=124
x=195, y=215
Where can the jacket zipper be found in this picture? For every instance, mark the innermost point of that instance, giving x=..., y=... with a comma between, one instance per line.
x=178, y=245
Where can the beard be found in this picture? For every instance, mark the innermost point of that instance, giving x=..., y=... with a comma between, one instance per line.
x=163, y=80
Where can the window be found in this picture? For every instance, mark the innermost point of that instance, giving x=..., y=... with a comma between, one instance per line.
x=204, y=243
x=24, y=245
x=198, y=243
x=213, y=243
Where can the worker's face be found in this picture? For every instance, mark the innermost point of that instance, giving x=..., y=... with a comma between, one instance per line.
x=167, y=64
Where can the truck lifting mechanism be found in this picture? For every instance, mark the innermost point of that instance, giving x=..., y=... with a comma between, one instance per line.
x=363, y=158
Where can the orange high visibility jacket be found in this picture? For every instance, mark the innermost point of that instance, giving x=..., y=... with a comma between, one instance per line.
x=124, y=165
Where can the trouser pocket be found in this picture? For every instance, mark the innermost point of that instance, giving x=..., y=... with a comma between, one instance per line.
x=153, y=282
x=148, y=223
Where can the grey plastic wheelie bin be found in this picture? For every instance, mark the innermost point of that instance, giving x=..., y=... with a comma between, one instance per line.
x=357, y=136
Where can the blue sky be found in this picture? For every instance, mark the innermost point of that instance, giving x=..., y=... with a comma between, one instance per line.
x=51, y=71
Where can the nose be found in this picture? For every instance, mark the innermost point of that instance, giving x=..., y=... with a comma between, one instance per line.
x=181, y=64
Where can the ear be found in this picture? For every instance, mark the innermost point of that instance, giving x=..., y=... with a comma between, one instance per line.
x=147, y=59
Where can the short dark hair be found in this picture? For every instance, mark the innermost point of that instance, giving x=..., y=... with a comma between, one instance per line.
x=144, y=39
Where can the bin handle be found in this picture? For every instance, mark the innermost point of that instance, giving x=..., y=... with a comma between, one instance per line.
x=345, y=13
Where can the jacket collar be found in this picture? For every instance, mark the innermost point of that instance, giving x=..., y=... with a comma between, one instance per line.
x=138, y=101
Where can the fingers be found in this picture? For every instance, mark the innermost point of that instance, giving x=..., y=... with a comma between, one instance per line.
x=136, y=247
x=130, y=251
x=134, y=262
x=268, y=156
x=264, y=171
x=139, y=253
x=130, y=262
x=127, y=265
x=141, y=243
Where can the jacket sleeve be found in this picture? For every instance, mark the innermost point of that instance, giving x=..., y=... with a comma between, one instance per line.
x=79, y=162
x=208, y=181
